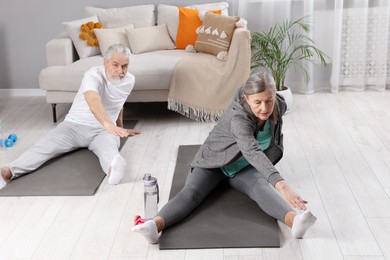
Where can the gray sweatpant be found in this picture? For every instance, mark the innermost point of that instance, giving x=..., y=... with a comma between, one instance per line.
x=64, y=138
x=200, y=182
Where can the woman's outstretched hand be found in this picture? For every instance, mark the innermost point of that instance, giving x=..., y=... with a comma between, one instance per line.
x=290, y=196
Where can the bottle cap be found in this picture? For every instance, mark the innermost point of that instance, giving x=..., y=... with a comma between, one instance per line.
x=149, y=180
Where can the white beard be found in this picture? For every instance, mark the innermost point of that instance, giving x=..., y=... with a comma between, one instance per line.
x=114, y=81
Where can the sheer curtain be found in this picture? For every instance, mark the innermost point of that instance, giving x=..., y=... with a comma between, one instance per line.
x=353, y=33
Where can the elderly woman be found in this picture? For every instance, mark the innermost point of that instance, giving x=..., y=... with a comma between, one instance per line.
x=242, y=148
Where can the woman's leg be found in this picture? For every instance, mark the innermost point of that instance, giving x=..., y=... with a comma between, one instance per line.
x=253, y=183
x=200, y=182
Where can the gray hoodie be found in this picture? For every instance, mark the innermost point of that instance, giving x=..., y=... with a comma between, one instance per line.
x=235, y=135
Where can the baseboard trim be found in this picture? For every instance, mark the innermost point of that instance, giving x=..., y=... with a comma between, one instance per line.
x=19, y=92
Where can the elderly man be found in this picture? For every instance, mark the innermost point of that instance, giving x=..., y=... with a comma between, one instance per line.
x=95, y=120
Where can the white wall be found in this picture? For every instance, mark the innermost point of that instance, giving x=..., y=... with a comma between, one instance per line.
x=26, y=26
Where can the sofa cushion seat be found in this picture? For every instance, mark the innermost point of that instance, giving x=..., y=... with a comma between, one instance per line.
x=152, y=70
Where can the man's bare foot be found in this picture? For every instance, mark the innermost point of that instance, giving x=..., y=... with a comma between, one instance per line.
x=6, y=173
x=5, y=176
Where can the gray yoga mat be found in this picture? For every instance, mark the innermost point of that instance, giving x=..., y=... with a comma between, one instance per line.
x=226, y=219
x=77, y=173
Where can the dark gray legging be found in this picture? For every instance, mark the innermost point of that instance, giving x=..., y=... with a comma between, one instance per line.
x=200, y=182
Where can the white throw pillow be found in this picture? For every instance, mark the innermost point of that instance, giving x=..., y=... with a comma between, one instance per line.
x=73, y=30
x=149, y=39
x=169, y=14
x=138, y=15
x=108, y=37
x=223, y=6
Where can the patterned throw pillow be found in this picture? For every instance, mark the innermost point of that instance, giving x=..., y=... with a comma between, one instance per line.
x=189, y=21
x=215, y=34
x=73, y=30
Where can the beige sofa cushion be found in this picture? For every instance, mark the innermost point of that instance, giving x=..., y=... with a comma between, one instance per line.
x=138, y=15
x=108, y=37
x=148, y=39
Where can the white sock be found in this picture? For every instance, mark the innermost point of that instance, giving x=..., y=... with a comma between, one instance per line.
x=2, y=181
x=301, y=223
x=118, y=169
x=148, y=230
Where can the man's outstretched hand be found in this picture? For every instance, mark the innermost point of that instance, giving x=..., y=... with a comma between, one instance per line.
x=121, y=132
x=132, y=132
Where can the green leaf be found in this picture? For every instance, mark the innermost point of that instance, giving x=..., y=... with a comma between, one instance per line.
x=286, y=45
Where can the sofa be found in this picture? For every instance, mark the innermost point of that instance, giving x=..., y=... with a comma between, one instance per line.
x=152, y=62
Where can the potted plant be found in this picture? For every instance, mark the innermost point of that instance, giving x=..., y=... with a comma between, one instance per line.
x=284, y=46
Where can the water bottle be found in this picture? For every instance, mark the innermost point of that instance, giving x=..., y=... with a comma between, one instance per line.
x=151, y=196
x=2, y=137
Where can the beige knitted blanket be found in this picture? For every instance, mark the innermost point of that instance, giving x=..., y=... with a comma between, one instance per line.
x=202, y=86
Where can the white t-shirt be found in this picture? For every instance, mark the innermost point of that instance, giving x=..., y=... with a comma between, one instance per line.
x=113, y=96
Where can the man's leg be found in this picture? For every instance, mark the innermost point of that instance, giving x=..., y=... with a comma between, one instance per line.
x=105, y=146
x=58, y=141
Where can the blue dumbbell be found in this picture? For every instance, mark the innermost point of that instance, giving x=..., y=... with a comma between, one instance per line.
x=12, y=137
x=9, y=141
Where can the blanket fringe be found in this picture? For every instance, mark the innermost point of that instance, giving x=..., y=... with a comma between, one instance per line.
x=197, y=114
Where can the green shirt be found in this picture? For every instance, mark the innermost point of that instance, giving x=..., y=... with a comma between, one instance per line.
x=263, y=138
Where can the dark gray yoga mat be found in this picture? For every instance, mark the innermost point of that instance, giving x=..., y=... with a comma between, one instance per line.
x=226, y=219
x=77, y=173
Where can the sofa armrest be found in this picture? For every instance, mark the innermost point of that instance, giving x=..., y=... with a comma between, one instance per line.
x=60, y=51
x=240, y=52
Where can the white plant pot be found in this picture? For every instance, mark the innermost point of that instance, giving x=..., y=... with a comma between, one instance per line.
x=288, y=97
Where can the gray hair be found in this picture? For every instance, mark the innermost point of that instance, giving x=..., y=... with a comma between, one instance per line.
x=119, y=48
x=258, y=82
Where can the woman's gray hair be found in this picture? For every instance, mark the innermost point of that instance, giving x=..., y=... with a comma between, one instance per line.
x=119, y=48
x=258, y=82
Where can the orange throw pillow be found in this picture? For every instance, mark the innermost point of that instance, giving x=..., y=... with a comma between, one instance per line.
x=189, y=21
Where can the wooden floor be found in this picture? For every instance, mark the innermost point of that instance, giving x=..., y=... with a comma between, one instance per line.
x=337, y=156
